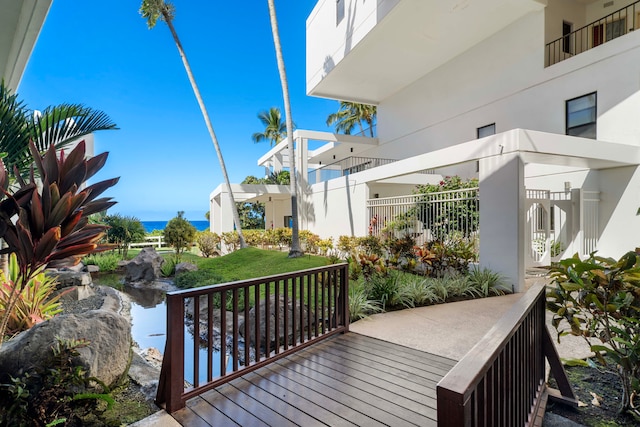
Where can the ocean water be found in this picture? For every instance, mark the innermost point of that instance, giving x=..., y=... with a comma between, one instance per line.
x=149, y=226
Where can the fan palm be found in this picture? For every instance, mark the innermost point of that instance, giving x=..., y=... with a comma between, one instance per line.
x=152, y=10
x=56, y=125
x=275, y=130
x=352, y=114
x=295, y=250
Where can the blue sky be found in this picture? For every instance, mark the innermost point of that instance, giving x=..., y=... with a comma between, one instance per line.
x=102, y=55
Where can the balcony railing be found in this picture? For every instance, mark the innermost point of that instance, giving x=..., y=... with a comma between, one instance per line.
x=605, y=29
x=347, y=166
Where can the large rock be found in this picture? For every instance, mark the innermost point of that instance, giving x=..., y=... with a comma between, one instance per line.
x=145, y=267
x=106, y=358
x=272, y=322
x=70, y=278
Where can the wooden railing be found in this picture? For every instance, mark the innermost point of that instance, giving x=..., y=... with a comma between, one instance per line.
x=292, y=311
x=501, y=381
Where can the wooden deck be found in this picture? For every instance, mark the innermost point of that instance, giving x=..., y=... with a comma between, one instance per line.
x=345, y=380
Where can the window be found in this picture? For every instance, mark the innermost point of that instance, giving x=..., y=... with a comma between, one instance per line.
x=481, y=132
x=339, y=11
x=567, y=28
x=615, y=28
x=486, y=130
x=581, y=116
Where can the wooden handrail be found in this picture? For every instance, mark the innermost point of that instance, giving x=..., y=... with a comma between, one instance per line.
x=297, y=309
x=501, y=381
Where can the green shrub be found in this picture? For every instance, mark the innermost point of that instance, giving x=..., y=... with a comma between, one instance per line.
x=208, y=243
x=196, y=279
x=107, y=262
x=599, y=299
x=487, y=282
x=168, y=267
x=360, y=306
x=414, y=291
x=383, y=288
x=179, y=233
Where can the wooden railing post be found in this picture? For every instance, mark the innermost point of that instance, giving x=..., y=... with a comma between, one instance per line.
x=171, y=385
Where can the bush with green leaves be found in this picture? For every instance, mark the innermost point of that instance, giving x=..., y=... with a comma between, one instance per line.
x=198, y=278
x=599, y=298
x=124, y=230
x=107, y=262
x=360, y=306
x=179, y=234
x=209, y=243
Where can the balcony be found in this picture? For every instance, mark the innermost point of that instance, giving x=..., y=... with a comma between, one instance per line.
x=594, y=34
x=380, y=47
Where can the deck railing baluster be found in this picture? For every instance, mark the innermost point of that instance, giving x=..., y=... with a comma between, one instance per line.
x=327, y=299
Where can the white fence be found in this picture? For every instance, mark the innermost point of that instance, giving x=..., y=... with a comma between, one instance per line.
x=426, y=216
x=149, y=241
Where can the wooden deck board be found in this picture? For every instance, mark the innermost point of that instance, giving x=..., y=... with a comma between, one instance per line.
x=345, y=380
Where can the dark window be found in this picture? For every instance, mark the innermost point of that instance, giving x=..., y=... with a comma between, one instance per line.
x=339, y=11
x=481, y=132
x=581, y=116
x=567, y=27
x=486, y=130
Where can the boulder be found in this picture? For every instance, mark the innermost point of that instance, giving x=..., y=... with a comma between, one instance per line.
x=145, y=267
x=106, y=357
x=70, y=278
x=184, y=267
x=272, y=322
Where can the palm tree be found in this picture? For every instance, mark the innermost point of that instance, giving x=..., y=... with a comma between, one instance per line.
x=275, y=129
x=295, y=250
x=152, y=10
x=352, y=114
x=55, y=125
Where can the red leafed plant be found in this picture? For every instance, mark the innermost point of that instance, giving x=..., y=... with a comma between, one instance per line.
x=45, y=221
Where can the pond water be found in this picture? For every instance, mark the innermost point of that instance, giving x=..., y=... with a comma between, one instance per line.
x=149, y=322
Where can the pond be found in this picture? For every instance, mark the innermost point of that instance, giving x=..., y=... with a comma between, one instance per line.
x=149, y=321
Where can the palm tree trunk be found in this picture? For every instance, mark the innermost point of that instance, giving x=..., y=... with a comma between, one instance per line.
x=295, y=250
x=196, y=91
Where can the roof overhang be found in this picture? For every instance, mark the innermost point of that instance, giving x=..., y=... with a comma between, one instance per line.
x=533, y=147
x=20, y=25
x=407, y=42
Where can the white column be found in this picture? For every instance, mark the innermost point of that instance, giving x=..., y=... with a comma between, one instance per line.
x=502, y=217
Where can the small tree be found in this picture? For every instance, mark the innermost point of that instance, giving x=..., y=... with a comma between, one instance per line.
x=124, y=230
x=179, y=233
x=600, y=300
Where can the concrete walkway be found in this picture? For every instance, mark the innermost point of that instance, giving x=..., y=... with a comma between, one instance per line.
x=452, y=329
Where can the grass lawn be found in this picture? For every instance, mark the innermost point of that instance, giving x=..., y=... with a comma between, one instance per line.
x=251, y=262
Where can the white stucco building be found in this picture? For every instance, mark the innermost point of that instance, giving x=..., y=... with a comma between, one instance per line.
x=523, y=94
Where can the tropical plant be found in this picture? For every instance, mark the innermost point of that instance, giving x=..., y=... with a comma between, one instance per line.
x=168, y=267
x=352, y=114
x=179, y=233
x=600, y=300
x=152, y=10
x=295, y=249
x=208, y=243
x=124, y=230
x=35, y=303
x=230, y=240
x=360, y=306
x=51, y=226
x=275, y=130
x=55, y=125
x=414, y=291
x=107, y=262
x=487, y=282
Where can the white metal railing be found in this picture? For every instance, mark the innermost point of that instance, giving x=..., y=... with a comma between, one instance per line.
x=591, y=228
x=426, y=216
x=149, y=241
